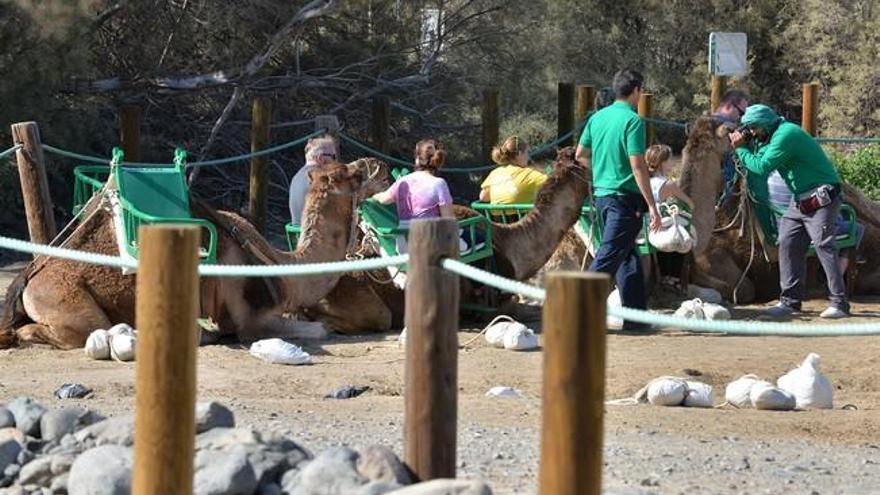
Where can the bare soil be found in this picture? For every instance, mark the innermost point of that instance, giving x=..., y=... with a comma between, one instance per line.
x=648, y=449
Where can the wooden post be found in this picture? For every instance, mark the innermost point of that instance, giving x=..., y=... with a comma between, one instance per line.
x=574, y=384
x=646, y=110
x=34, y=184
x=382, y=123
x=491, y=105
x=431, y=391
x=167, y=308
x=586, y=103
x=564, y=110
x=719, y=86
x=130, y=131
x=261, y=116
x=810, y=115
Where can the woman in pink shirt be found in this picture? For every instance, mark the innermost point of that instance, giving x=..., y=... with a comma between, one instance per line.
x=421, y=194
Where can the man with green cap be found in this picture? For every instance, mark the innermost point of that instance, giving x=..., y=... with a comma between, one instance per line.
x=777, y=144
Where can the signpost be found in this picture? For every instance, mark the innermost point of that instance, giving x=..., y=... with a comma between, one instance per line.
x=727, y=57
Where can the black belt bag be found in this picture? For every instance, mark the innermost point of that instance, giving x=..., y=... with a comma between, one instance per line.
x=820, y=197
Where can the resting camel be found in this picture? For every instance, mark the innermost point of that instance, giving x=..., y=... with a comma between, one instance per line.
x=722, y=253
x=360, y=302
x=59, y=302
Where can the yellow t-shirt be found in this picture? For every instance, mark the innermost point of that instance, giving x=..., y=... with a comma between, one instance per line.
x=510, y=184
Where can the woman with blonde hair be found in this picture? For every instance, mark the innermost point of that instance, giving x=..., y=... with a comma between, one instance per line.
x=512, y=181
x=659, y=160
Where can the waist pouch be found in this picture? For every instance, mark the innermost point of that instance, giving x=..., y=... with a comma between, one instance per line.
x=820, y=197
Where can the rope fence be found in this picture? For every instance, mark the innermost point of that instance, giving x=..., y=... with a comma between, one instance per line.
x=10, y=151
x=727, y=327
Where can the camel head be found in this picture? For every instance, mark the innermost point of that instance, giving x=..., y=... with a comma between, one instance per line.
x=376, y=174
x=701, y=177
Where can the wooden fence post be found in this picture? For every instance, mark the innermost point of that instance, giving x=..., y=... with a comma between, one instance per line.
x=810, y=115
x=491, y=105
x=130, y=131
x=431, y=392
x=646, y=110
x=574, y=384
x=261, y=116
x=34, y=183
x=167, y=308
x=382, y=124
x=719, y=86
x=586, y=103
x=564, y=110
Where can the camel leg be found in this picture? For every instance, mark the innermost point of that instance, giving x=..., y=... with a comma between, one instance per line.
x=273, y=325
x=718, y=271
x=63, y=318
x=353, y=307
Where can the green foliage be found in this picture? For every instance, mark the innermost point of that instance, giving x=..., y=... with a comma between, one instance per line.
x=861, y=168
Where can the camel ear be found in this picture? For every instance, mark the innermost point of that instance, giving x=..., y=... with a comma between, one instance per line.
x=722, y=131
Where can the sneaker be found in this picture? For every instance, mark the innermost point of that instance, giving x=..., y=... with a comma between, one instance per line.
x=780, y=311
x=834, y=313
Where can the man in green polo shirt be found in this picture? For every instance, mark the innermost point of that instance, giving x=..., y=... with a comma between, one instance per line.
x=811, y=177
x=614, y=141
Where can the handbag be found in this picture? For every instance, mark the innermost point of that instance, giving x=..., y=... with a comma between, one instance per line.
x=675, y=234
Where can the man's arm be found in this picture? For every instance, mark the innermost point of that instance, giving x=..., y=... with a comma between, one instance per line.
x=643, y=179
x=766, y=160
x=582, y=155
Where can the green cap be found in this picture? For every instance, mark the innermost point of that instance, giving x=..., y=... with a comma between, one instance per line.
x=760, y=116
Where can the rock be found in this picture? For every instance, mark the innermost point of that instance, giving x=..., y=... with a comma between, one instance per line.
x=104, y=470
x=12, y=470
x=14, y=490
x=59, y=484
x=38, y=472
x=222, y=438
x=333, y=472
x=7, y=419
x=379, y=463
x=27, y=414
x=268, y=466
x=269, y=489
x=223, y=473
x=24, y=457
x=72, y=391
x=61, y=463
x=12, y=434
x=445, y=487
x=113, y=431
x=377, y=488
x=55, y=424
x=211, y=415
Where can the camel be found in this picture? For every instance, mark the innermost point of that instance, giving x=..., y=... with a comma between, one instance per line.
x=722, y=254
x=59, y=302
x=521, y=249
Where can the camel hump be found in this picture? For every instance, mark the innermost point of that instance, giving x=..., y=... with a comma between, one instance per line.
x=14, y=315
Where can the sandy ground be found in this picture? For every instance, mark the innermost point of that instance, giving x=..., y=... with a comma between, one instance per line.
x=647, y=449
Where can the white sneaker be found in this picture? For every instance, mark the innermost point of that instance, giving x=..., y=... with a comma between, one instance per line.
x=834, y=313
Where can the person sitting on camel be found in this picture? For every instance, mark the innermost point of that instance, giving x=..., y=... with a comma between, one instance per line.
x=512, y=181
x=319, y=152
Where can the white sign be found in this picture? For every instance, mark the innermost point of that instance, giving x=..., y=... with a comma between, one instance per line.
x=727, y=54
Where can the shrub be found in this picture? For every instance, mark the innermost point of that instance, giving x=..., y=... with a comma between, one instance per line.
x=861, y=168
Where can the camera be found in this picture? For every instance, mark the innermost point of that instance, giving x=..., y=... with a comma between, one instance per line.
x=746, y=132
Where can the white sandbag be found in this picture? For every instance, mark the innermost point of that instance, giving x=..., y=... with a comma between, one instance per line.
x=98, y=345
x=697, y=309
x=667, y=391
x=737, y=392
x=765, y=396
x=614, y=301
x=122, y=329
x=699, y=394
x=705, y=293
x=498, y=328
x=277, y=351
x=502, y=391
x=401, y=339
x=810, y=388
x=715, y=311
x=520, y=338
x=122, y=347
x=674, y=235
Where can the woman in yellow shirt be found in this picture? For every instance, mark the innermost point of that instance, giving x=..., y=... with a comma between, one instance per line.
x=512, y=181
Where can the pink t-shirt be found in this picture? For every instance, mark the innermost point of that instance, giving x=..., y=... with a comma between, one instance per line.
x=420, y=195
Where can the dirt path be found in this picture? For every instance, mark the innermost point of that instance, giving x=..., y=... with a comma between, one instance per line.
x=648, y=449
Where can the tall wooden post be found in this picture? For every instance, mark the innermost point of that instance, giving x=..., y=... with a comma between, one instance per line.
x=167, y=308
x=574, y=384
x=431, y=391
x=810, y=115
x=130, y=117
x=719, y=86
x=491, y=105
x=646, y=110
x=261, y=116
x=586, y=102
x=34, y=183
x=564, y=110
x=382, y=123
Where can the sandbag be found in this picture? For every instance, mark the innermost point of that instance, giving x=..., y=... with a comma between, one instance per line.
x=122, y=346
x=697, y=309
x=737, y=392
x=667, y=391
x=765, y=396
x=277, y=351
x=520, y=338
x=675, y=234
x=707, y=294
x=122, y=329
x=810, y=388
x=614, y=302
x=699, y=394
x=98, y=345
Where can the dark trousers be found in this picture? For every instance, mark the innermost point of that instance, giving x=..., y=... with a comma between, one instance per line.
x=622, y=218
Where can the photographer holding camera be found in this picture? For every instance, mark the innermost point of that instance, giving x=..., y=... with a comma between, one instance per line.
x=766, y=142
